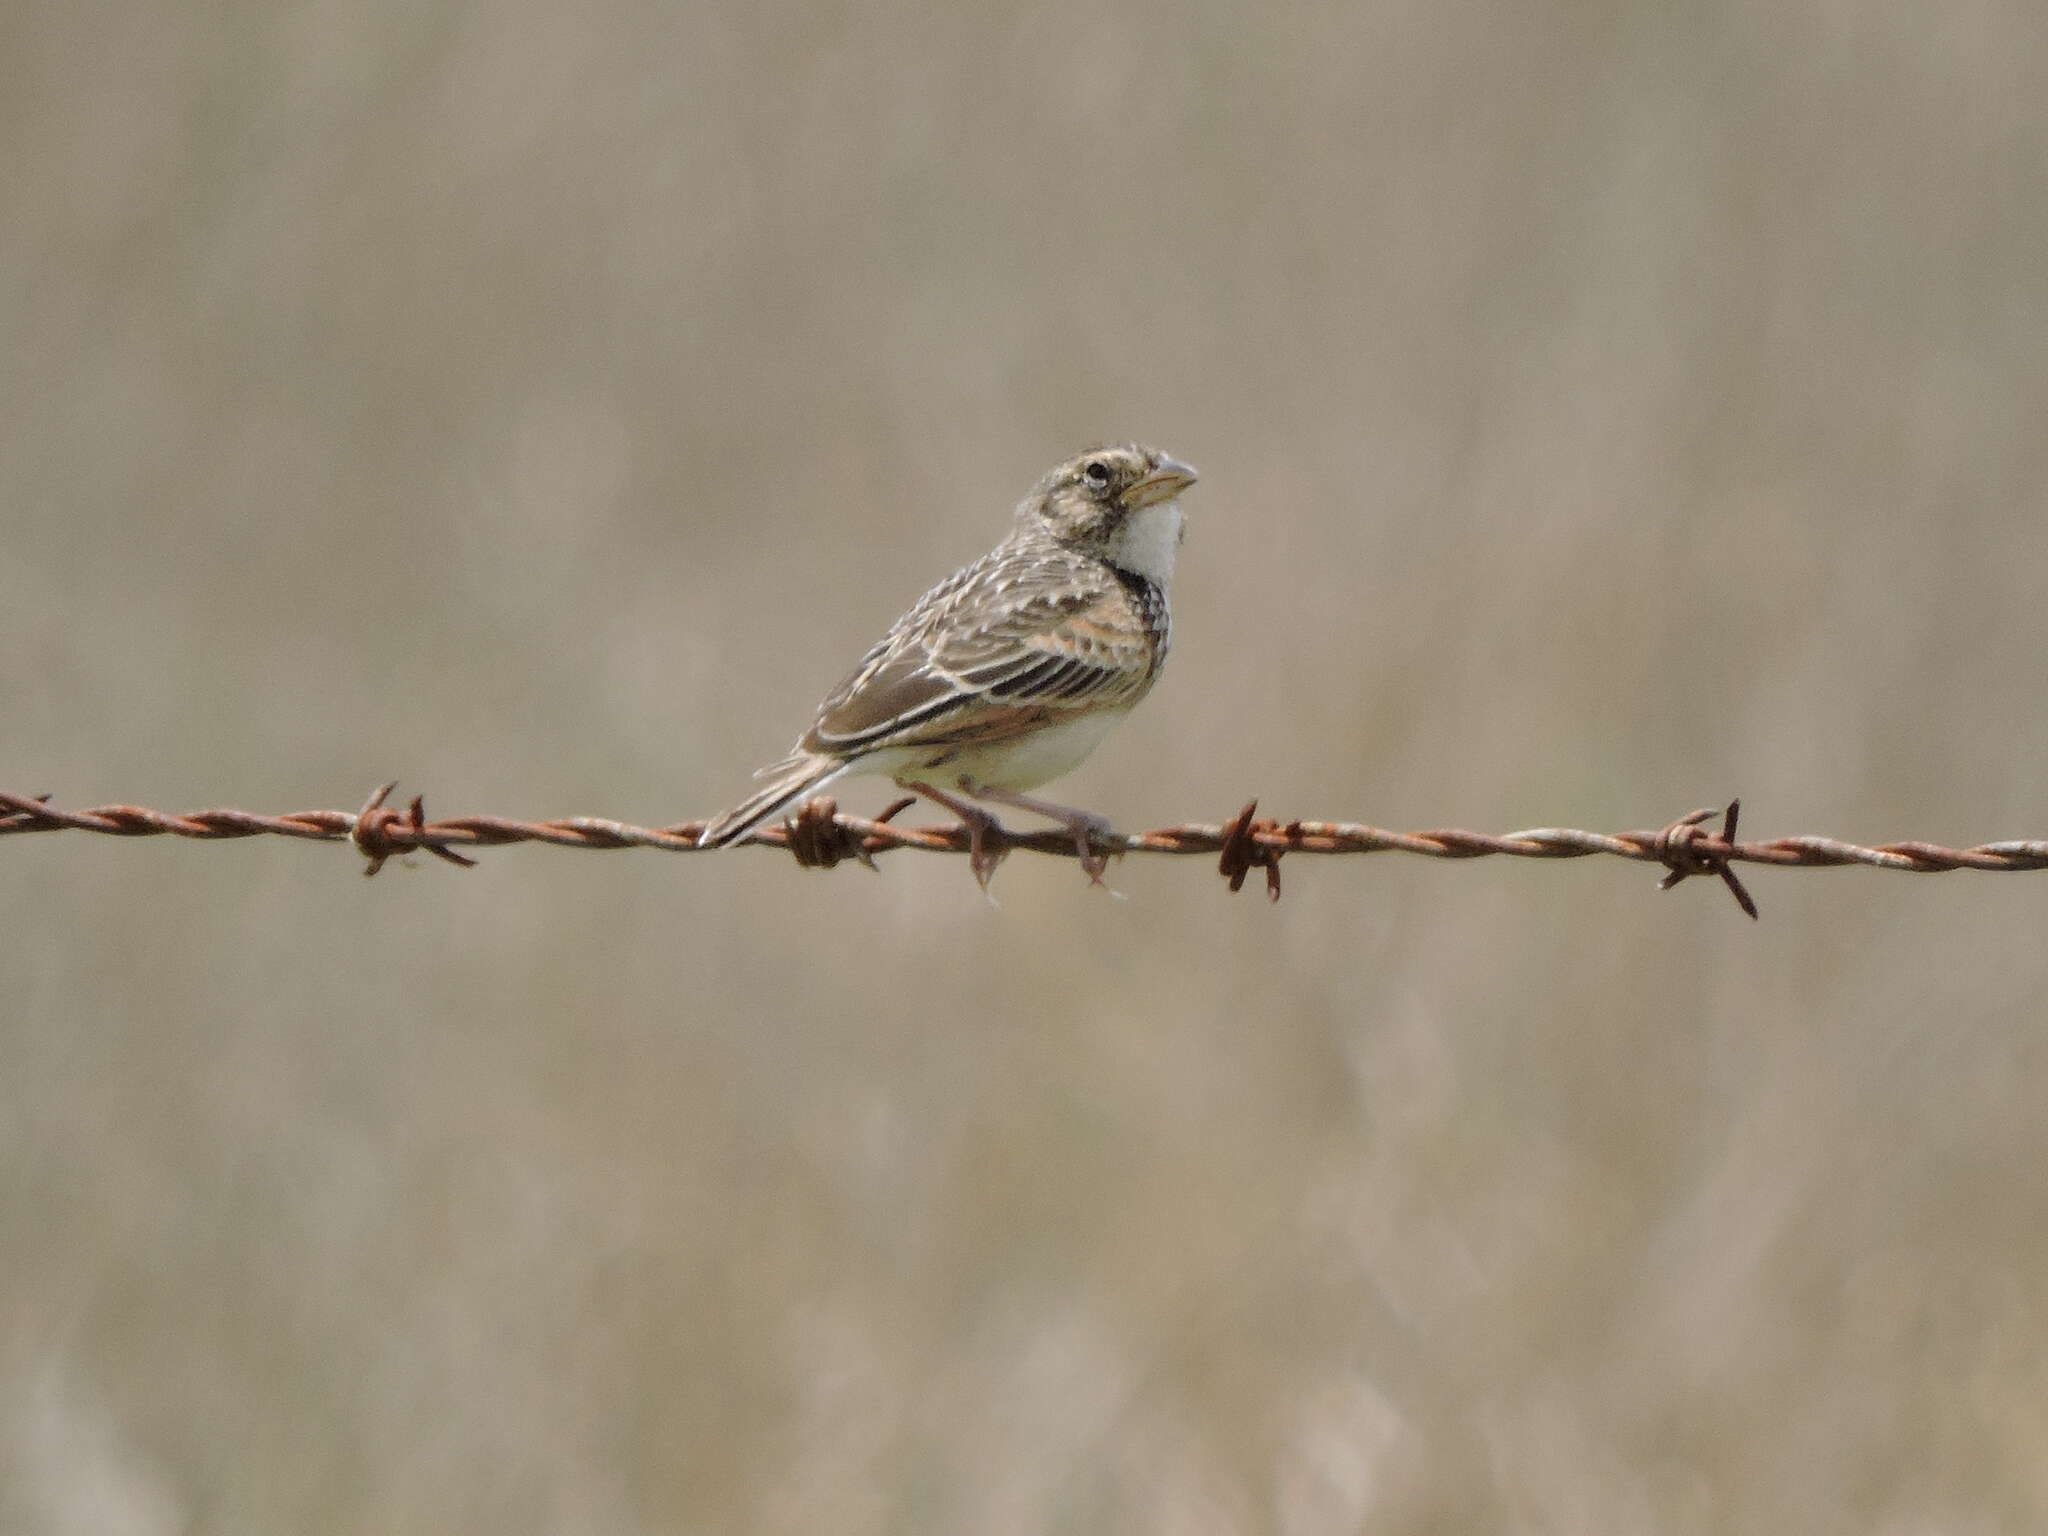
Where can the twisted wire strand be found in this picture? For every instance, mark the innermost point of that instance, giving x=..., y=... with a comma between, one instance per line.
x=819, y=836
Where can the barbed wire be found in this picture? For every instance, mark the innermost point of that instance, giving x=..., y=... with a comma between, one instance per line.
x=819, y=836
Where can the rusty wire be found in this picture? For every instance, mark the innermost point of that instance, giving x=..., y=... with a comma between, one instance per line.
x=819, y=837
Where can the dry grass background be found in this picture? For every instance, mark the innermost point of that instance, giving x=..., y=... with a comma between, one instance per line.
x=1603, y=409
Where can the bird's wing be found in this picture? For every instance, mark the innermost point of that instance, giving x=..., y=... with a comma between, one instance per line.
x=996, y=651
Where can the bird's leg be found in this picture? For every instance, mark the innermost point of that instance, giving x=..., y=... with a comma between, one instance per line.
x=1085, y=826
x=981, y=858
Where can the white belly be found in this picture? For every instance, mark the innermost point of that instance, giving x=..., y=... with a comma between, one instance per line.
x=1018, y=765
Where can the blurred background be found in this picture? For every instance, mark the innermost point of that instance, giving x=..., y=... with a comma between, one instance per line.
x=1603, y=410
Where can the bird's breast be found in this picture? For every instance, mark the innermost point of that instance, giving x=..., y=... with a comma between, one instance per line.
x=1148, y=598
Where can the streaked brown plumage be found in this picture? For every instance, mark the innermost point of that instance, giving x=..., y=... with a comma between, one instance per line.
x=1007, y=673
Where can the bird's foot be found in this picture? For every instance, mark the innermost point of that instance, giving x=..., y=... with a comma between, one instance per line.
x=981, y=858
x=1086, y=827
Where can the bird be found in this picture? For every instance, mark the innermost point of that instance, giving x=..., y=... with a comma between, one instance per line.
x=1009, y=672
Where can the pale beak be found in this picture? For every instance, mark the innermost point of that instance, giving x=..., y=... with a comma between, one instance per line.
x=1167, y=480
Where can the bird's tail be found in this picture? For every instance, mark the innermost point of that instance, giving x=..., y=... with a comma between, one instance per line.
x=790, y=782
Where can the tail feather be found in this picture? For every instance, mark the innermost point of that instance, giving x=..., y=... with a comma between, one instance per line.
x=790, y=783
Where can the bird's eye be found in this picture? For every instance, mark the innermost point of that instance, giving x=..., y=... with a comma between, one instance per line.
x=1096, y=473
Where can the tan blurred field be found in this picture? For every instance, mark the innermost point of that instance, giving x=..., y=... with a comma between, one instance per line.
x=1603, y=409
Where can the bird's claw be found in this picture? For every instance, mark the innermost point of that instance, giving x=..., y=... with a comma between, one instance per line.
x=1094, y=861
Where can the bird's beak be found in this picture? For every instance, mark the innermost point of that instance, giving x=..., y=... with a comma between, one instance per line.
x=1168, y=479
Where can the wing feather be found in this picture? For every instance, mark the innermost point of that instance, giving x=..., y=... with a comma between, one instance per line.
x=995, y=650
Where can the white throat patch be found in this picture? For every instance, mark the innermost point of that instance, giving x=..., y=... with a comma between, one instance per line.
x=1149, y=541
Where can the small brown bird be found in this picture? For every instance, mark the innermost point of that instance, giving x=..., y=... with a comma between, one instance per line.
x=1007, y=673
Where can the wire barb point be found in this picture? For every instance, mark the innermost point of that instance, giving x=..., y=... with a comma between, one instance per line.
x=1242, y=852
x=1686, y=848
x=381, y=833
x=819, y=839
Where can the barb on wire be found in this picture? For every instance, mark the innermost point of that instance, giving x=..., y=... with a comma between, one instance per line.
x=821, y=836
x=1683, y=846
x=1243, y=852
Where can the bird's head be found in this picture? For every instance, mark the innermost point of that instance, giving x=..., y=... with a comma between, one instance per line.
x=1117, y=503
